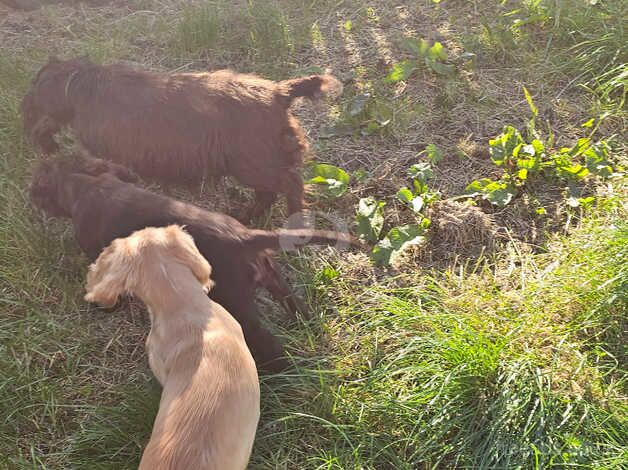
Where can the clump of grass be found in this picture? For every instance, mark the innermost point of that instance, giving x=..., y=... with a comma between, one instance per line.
x=199, y=27
x=460, y=229
x=260, y=31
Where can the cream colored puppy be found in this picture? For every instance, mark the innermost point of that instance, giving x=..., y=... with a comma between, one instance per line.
x=210, y=402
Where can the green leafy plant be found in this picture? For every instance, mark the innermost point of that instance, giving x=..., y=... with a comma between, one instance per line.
x=523, y=159
x=365, y=114
x=435, y=57
x=396, y=241
x=332, y=181
x=413, y=201
x=498, y=193
x=434, y=154
x=370, y=218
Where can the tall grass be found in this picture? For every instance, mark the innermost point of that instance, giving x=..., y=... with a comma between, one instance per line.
x=440, y=376
x=259, y=30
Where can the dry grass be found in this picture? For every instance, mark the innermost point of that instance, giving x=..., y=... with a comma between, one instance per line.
x=460, y=229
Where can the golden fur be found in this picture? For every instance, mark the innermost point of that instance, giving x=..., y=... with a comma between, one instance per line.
x=209, y=406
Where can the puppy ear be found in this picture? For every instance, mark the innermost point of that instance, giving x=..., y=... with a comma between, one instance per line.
x=188, y=254
x=108, y=276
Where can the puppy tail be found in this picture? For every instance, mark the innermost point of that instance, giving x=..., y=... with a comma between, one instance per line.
x=312, y=87
x=293, y=239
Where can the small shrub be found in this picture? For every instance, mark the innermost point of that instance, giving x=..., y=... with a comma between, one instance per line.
x=522, y=160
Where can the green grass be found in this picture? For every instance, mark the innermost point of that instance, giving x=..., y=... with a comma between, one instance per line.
x=254, y=34
x=459, y=371
x=516, y=360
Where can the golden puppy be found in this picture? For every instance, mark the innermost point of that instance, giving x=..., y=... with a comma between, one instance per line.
x=210, y=402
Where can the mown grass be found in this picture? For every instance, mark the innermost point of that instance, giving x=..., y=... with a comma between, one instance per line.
x=513, y=361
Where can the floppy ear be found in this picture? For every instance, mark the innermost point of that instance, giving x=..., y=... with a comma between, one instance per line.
x=43, y=190
x=107, y=276
x=187, y=253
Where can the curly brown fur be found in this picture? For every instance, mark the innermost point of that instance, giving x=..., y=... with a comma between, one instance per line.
x=179, y=127
x=103, y=208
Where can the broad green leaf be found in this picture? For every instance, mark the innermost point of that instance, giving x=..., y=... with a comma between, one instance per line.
x=501, y=196
x=582, y=145
x=573, y=194
x=478, y=187
x=589, y=123
x=539, y=147
x=437, y=52
x=516, y=150
x=596, y=160
x=434, y=154
x=527, y=163
x=370, y=219
x=440, y=68
x=572, y=171
x=358, y=104
x=396, y=241
x=406, y=196
x=401, y=71
x=348, y=25
x=541, y=211
x=502, y=146
x=332, y=179
x=429, y=196
x=420, y=171
x=418, y=47
x=522, y=174
x=419, y=187
x=496, y=192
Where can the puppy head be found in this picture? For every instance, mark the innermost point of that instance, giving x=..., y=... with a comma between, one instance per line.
x=46, y=104
x=142, y=265
x=44, y=186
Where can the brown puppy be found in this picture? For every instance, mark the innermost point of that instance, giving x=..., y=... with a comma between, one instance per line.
x=179, y=127
x=210, y=403
x=103, y=208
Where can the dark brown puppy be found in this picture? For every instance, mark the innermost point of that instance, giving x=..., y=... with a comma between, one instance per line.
x=103, y=208
x=179, y=127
